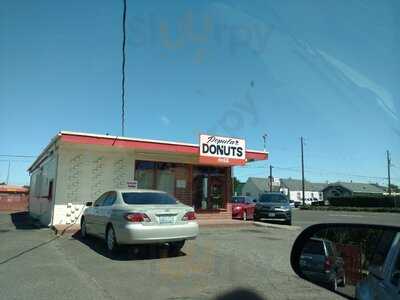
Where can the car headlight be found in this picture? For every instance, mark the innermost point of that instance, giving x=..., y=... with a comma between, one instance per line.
x=282, y=208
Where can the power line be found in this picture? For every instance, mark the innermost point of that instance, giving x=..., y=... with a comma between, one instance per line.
x=17, y=156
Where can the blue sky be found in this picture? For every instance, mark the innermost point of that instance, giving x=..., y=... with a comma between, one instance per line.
x=325, y=70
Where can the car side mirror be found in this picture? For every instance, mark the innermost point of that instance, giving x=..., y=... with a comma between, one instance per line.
x=89, y=203
x=361, y=248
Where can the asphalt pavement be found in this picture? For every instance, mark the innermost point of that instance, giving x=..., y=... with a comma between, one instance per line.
x=247, y=262
x=223, y=261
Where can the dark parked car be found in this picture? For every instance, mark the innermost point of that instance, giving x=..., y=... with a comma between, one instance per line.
x=243, y=207
x=273, y=206
x=320, y=263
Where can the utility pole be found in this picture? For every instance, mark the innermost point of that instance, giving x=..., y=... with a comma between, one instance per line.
x=8, y=171
x=270, y=178
x=265, y=135
x=302, y=170
x=123, y=69
x=388, y=170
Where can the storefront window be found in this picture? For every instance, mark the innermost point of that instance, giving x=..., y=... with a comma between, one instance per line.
x=199, y=186
x=145, y=174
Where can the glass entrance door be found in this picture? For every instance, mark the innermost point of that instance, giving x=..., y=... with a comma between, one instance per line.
x=209, y=186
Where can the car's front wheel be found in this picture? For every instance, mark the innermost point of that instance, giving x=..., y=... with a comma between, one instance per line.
x=83, y=228
x=111, y=240
x=175, y=247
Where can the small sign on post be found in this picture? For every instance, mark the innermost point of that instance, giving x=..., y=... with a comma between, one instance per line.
x=132, y=184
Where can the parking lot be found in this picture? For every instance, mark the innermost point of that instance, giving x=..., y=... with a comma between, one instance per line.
x=36, y=264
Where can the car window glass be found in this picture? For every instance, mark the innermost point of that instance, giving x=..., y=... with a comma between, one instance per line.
x=100, y=200
x=379, y=257
x=110, y=199
x=314, y=247
x=273, y=198
x=239, y=199
x=147, y=198
x=396, y=269
x=329, y=249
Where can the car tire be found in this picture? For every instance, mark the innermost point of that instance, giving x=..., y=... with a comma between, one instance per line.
x=333, y=285
x=245, y=216
x=111, y=239
x=83, y=228
x=175, y=248
x=343, y=281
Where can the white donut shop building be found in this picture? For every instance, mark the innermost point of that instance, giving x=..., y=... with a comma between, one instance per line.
x=76, y=168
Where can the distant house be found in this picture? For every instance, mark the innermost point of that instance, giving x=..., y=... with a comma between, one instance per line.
x=255, y=186
x=352, y=189
x=293, y=189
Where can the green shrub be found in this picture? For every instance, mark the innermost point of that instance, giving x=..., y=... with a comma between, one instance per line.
x=366, y=201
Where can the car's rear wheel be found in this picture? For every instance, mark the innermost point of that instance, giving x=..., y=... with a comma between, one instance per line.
x=83, y=228
x=111, y=240
x=175, y=247
x=343, y=281
x=333, y=285
x=244, y=215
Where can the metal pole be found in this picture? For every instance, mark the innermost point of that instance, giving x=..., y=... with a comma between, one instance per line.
x=8, y=171
x=302, y=170
x=123, y=68
x=270, y=178
x=388, y=170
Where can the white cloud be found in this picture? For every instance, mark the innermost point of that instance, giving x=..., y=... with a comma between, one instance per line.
x=382, y=96
x=165, y=120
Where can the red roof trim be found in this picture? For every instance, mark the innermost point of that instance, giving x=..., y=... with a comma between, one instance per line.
x=146, y=145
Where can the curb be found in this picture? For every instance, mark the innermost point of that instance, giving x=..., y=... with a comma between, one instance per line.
x=276, y=226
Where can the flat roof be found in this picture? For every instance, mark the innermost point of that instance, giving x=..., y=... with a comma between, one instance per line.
x=133, y=143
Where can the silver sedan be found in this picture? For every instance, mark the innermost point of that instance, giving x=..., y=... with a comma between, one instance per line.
x=134, y=217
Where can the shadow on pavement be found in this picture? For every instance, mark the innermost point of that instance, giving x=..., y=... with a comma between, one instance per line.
x=126, y=253
x=22, y=220
x=241, y=293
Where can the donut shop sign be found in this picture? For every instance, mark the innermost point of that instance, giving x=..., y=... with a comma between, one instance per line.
x=220, y=150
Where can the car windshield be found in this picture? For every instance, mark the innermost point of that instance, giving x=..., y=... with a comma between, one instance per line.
x=314, y=247
x=273, y=198
x=148, y=198
x=239, y=200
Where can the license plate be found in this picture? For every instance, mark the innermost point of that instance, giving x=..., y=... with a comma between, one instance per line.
x=166, y=219
x=271, y=215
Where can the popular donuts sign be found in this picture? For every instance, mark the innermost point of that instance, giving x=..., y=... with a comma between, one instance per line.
x=222, y=150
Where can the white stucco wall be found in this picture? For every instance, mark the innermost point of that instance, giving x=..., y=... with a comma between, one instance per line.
x=86, y=172
x=40, y=206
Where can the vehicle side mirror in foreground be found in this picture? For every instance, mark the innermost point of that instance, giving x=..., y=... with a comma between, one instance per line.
x=89, y=203
x=349, y=259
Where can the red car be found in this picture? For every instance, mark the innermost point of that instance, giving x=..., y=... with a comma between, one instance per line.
x=243, y=207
